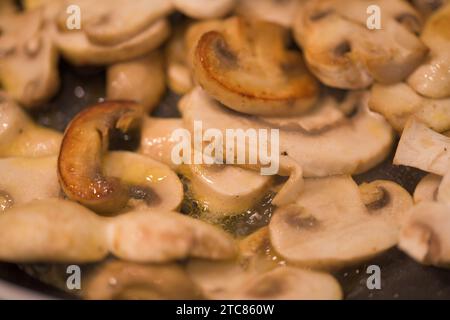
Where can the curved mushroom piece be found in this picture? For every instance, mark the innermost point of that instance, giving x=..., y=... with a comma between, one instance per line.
x=141, y=80
x=398, y=102
x=443, y=193
x=204, y=9
x=351, y=146
x=119, y=280
x=432, y=79
x=20, y=137
x=80, y=159
x=28, y=57
x=343, y=52
x=275, y=11
x=427, y=189
x=25, y=179
x=259, y=77
x=334, y=223
x=426, y=235
x=165, y=236
x=421, y=147
x=51, y=230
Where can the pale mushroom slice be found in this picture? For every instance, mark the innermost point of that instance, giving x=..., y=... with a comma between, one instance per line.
x=258, y=76
x=120, y=280
x=443, y=193
x=204, y=9
x=398, y=102
x=51, y=230
x=78, y=50
x=343, y=52
x=147, y=236
x=351, y=146
x=275, y=11
x=141, y=80
x=432, y=79
x=426, y=235
x=85, y=141
x=28, y=57
x=421, y=147
x=20, y=137
x=427, y=189
x=334, y=223
x=25, y=179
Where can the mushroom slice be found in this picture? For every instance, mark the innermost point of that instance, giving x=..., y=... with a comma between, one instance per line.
x=259, y=77
x=25, y=179
x=331, y=226
x=141, y=80
x=426, y=235
x=204, y=9
x=432, y=79
x=427, y=7
x=275, y=11
x=343, y=52
x=443, y=193
x=151, y=184
x=427, y=189
x=398, y=102
x=20, y=137
x=119, y=280
x=80, y=159
x=421, y=147
x=350, y=146
x=77, y=49
x=28, y=58
x=147, y=236
x=51, y=230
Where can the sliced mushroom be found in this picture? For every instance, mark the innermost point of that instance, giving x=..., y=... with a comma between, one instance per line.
x=28, y=57
x=78, y=50
x=421, y=147
x=347, y=147
x=443, y=194
x=146, y=236
x=151, y=185
x=25, y=179
x=51, y=230
x=20, y=137
x=398, y=102
x=334, y=223
x=343, y=52
x=275, y=11
x=204, y=9
x=427, y=189
x=119, y=280
x=432, y=79
x=426, y=235
x=427, y=7
x=260, y=76
x=80, y=160
x=141, y=80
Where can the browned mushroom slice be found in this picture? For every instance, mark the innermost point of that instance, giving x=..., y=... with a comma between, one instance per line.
x=427, y=189
x=426, y=235
x=80, y=160
x=146, y=236
x=421, y=147
x=328, y=151
x=399, y=102
x=28, y=58
x=443, y=194
x=334, y=223
x=261, y=76
x=25, y=179
x=343, y=52
x=432, y=79
x=141, y=80
x=427, y=7
x=20, y=137
x=51, y=230
x=119, y=280
x=204, y=9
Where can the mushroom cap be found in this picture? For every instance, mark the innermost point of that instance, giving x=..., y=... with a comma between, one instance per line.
x=342, y=52
x=204, y=9
x=259, y=77
x=427, y=189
